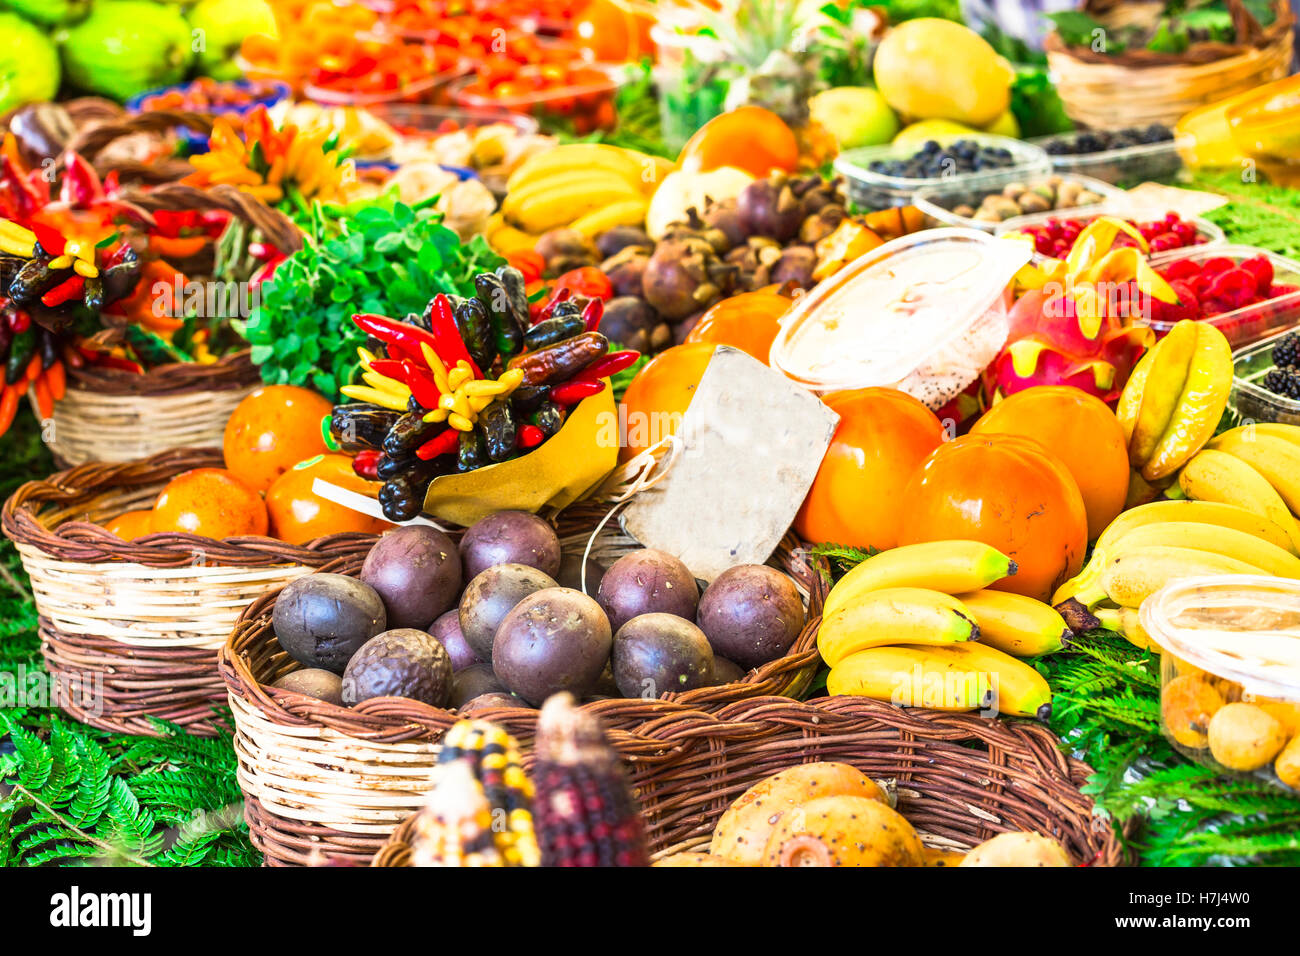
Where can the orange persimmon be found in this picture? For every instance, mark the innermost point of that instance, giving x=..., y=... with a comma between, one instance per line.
x=298, y=514
x=1007, y=491
x=211, y=502
x=1082, y=431
x=271, y=430
x=856, y=499
x=660, y=393
x=749, y=137
x=749, y=322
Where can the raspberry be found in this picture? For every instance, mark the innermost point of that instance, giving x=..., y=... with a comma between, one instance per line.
x=1262, y=270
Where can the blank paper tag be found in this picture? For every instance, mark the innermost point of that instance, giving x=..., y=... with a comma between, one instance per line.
x=752, y=444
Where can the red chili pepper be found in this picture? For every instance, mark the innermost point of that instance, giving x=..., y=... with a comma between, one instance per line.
x=611, y=364
x=214, y=222
x=444, y=443
x=365, y=462
x=572, y=392
x=19, y=321
x=81, y=185
x=67, y=290
x=417, y=378
x=8, y=405
x=264, y=251
x=112, y=361
x=44, y=398
x=586, y=281
x=58, y=381
x=529, y=436
x=545, y=313
x=71, y=356
x=27, y=200
x=591, y=314
x=450, y=346
x=529, y=263
x=406, y=339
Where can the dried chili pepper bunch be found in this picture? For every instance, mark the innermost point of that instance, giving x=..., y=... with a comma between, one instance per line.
x=471, y=382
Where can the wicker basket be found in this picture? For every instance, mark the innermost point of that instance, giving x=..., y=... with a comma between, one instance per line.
x=108, y=415
x=320, y=778
x=131, y=629
x=1141, y=87
x=960, y=779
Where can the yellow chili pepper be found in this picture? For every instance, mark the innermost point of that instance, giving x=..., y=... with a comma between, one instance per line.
x=385, y=384
x=459, y=422
x=374, y=396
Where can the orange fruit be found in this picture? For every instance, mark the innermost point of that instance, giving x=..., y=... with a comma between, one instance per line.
x=1082, y=431
x=130, y=525
x=749, y=321
x=299, y=515
x=211, y=502
x=272, y=430
x=882, y=437
x=1006, y=491
x=749, y=137
x=660, y=393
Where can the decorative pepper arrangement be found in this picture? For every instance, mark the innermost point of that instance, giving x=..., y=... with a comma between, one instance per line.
x=469, y=383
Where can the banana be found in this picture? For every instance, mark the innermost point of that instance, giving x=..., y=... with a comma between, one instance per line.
x=895, y=616
x=1225, y=542
x=952, y=567
x=1275, y=458
x=1134, y=575
x=574, y=179
x=1202, y=512
x=952, y=677
x=1161, y=391
x=506, y=239
x=629, y=212
x=1281, y=430
x=1214, y=475
x=627, y=164
x=550, y=208
x=1200, y=405
x=1124, y=622
x=1016, y=624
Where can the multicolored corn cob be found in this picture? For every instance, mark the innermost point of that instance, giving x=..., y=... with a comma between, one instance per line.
x=585, y=813
x=455, y=826
x=493, y=758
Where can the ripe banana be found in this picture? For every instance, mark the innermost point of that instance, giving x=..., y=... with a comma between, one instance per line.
x=895, y=616
x=952, y=567
x=953, y=677
x=1214, y=475
x=1134, y=575
x=1281, y=430
x=1124, y=622
x=506, y=239
x=632, y=167
x=553, y=208
x=1200, y=406
x=1277, y=459
x=1172, y=356
x=1016, y=624
x=629, y=212
x=1225, y=542
x=1201, y=512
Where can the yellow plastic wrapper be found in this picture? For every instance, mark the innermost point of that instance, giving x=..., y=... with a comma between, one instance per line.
x=560, y=471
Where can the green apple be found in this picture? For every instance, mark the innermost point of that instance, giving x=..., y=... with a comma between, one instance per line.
x=855, y=115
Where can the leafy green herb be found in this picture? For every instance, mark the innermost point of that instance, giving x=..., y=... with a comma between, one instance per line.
x=1036, y=105
x=377, y=256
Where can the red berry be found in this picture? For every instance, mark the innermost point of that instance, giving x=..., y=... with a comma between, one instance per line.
x=1262, y=270
x=1216, y=265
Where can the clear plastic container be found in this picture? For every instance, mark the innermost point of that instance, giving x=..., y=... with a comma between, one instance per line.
x=1252, y=402
x=587, y=107
x=1230, y=672
x=420, y=119
x=427, y=89
x=939, y=202
x=1246, y=325
x=1129, y=164
x=870, y=190
x=924, y=313
x=1210, y=235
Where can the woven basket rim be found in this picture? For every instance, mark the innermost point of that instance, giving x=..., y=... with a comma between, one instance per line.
x=86, y=543
x=231, y=371
x=398, y=719
x=772, y=718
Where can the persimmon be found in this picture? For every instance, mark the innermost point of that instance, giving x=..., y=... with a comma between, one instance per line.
x=660, y=393
x=749, y=137
x=1009, y=492
x=130, y=525
x=1082, y=431
x=613, y=33
x=271, y=430
x=298, y=514
x=210, y=502
x=749, y=322
x=856, y=499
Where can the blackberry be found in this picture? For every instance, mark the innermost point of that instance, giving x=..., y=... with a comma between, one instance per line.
x=1286, y=354
x=1284, y=382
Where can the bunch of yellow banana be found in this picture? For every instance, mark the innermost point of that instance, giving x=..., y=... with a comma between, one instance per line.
x=918, y=626
x=1147, y=547
x=1174, y=399
x=587, y=187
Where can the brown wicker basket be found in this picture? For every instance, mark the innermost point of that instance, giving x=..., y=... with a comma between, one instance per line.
x=320, y=778
x=1140, y=87
x=960, y=779
x=131, y=629
x=109, y=415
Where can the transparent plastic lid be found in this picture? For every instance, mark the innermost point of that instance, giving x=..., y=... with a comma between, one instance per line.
x=886, y=314
x=1240, y=627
